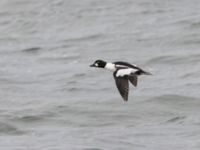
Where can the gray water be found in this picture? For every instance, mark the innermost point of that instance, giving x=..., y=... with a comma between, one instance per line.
x=50, y=99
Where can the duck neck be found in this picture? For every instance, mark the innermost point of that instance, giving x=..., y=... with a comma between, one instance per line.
x=110, y=67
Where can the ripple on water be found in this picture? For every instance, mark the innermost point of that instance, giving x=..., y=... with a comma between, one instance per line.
x=79, y=75
x=59, y=58
x=85, y=38
x=172, y=59
x=31, y=50
x=195, y=24
x=7, y=128
x=172, y=98
x=178, y=119
x=92, y=149
x=173, y=104
x=36, y=118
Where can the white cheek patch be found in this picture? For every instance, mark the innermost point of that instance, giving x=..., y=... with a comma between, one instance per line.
x=96, y=65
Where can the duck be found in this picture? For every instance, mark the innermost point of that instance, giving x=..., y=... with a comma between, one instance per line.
x=123, y=73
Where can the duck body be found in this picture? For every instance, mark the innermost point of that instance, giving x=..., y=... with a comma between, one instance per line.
x=123, y=73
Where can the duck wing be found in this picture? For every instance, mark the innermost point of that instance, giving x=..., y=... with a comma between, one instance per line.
x=133, y=79
x=122, y=85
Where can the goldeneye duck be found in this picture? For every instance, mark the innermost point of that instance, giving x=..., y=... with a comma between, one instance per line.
x=122, y=72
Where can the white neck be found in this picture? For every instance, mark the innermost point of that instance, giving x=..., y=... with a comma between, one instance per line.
x=110, y=67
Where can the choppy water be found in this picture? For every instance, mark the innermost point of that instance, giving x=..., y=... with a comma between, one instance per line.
x=50, y=99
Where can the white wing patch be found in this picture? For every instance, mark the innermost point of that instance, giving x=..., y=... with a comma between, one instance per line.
x=120, y=66
x=123, y=72
x=125, y=66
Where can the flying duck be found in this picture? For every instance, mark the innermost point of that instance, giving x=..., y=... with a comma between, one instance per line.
x=123, y=72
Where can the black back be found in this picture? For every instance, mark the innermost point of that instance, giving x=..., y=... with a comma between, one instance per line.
x=126, y=64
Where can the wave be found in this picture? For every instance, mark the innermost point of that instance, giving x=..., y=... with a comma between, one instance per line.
x=7, y=128
x=172, y=59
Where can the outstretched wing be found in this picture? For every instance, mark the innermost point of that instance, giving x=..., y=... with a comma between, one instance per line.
x=133, y=79
x=122, y=85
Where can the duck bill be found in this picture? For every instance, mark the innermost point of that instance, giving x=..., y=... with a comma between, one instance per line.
x=92, y=65
x=148, y=73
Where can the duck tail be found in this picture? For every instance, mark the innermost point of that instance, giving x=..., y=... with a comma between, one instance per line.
x=147, y=73
x=141, y=72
